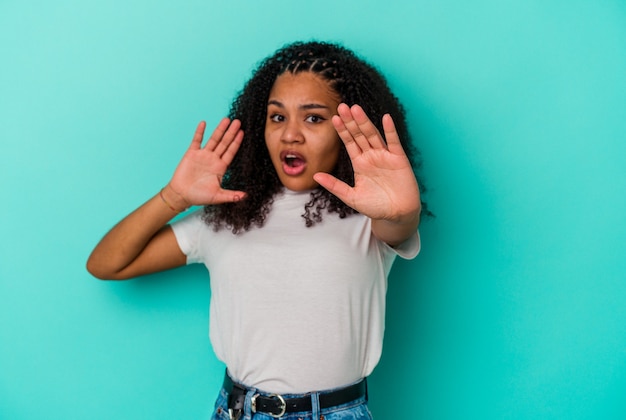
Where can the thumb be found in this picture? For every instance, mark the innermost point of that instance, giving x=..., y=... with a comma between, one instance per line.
x=334, y=185
x=228, y=196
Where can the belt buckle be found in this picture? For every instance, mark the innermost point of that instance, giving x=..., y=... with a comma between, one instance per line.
x=283, y=404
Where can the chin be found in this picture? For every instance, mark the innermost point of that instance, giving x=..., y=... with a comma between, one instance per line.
x=299, y=185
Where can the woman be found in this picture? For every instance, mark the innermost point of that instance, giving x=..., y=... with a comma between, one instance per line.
x=306, y=205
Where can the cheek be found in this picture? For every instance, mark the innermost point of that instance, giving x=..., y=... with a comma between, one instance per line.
x=269, y=139
x=335, y=144
x=331, y=153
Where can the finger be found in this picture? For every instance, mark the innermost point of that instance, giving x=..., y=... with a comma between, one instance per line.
x=335, y=186
x=196, y=141
x=228, y=196
x=228, y=137
x=368, y=128
x=352, y=148
x=345, y=113
x=233, y=147
x=391, y=135
x=217, y=134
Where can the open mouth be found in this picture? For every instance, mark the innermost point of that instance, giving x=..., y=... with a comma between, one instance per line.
x=293, y=163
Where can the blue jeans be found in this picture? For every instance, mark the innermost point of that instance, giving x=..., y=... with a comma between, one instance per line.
x=355, y=410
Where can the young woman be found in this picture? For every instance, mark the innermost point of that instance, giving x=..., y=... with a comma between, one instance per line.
x=309, y=194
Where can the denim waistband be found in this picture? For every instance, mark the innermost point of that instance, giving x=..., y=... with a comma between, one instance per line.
x=243, y=398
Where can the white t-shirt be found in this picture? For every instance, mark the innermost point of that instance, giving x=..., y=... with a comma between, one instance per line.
x=295, y=309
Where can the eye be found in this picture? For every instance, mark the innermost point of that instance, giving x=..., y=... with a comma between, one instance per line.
x=276, y=118
x=315, y=119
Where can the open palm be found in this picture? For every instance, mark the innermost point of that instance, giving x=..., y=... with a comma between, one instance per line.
x=384, y=183
x=198, y=177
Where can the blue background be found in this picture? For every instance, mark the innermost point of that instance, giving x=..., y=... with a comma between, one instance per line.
x=515, y=309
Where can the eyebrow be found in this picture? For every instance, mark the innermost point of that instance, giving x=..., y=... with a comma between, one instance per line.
x=303, y=106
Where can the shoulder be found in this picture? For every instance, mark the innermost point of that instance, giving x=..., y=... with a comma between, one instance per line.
x=195, y=220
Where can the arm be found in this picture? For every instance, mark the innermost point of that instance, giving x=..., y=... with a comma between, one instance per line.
x=142, y=242
x=385, y=188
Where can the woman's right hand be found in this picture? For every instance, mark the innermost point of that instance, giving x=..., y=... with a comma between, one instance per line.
x=198, y=177
x=143, y=242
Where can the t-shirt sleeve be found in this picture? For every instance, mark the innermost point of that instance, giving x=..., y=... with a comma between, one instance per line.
x=187, y=232
x=407, y=249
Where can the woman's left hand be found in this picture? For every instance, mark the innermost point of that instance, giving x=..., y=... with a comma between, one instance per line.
x=385, y=187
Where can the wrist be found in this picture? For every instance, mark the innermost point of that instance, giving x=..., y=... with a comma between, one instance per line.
x=396, y=231
x=410, y=217
x=173, y=200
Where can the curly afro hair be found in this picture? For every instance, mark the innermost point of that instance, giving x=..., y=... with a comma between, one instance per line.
x=354, y=80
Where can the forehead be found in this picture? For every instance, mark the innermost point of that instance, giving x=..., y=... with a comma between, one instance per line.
x=303, y=87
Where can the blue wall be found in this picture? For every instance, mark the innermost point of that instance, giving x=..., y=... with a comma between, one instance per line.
x=514, y=310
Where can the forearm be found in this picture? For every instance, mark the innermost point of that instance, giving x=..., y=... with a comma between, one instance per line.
x=127, y=241
x=395, y=232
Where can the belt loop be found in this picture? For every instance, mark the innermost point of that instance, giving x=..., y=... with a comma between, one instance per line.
x=315, y=405
x=247, y=407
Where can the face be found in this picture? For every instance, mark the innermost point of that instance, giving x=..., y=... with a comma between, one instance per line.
x=299, y=132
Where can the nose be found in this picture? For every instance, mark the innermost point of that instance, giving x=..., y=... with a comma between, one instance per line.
x=292, y=133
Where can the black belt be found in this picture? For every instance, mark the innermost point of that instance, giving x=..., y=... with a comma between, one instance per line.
x=276, y=405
